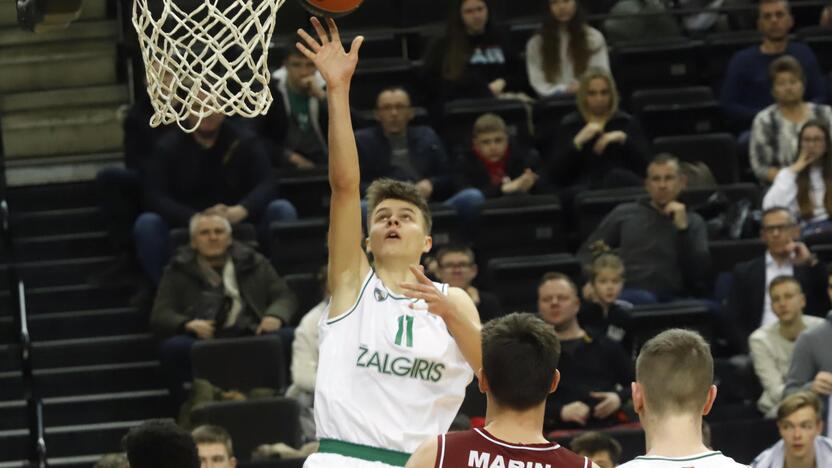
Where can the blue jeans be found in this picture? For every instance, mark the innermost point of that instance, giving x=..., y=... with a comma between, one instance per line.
x=152, y=236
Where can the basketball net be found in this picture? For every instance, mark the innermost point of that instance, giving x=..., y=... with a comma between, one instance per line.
x=212, y=58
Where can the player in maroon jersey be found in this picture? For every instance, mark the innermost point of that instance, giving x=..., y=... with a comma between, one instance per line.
x=520, y=355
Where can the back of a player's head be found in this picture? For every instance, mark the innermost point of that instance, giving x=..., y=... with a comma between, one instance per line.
x=675, y=370
x=520, y=354
x=594, y=443
x=796, y=402
x=384, y=189
x=210, y=434
x=160, y=443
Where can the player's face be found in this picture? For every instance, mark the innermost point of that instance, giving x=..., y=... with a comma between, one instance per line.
x=398, y=230
x=664, y=183
x=492, y=146
x=457, y=269
x=562, y=10
x=787, y=88
x=787, y=301
x=774, y=20
x=813, y=142
x=474, y=15
x=211, y=238
x=557, y=303
x=393, y=111
x=215, y=456
x=598, y=97
x=799, y=431
x=608, y=285
x=602, y=459
x=778, y=231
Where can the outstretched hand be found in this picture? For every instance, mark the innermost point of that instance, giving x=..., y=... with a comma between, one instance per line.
x=332, y=61
x=424, y=289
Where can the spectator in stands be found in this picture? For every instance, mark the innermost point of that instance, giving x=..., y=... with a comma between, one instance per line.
x=602, y=310
x=663, y=245
x=214, y=446
x=220, y=167
x=305, y=361
x=775, y=129
x=746, y=87
x=474, y=59
x=826, y=18
x=112, y=460
x=160, y=443
x=596, y=372
x=295, y=126
x=216, y=288
x=599, y=146
x=496, y=166
x=599, y=447
x=801, y=443
x=811, y=366
x=458, y=267
x=772, y=345
x=400, y=151
x=802, y=187
x=563, y=50
x=749, y=305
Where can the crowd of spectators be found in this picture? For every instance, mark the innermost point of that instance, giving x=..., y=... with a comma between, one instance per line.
x=226, y=175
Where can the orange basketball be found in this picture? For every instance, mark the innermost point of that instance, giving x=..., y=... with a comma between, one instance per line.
x=331, y=8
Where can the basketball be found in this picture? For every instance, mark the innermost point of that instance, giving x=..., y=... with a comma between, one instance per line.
x=330, y=8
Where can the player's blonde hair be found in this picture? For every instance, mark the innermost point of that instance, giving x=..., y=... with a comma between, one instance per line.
x=675, y=370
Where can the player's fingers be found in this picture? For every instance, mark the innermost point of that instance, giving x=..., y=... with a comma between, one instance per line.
x=417, y=287
x=356, y=45
x=319, y=29
x=419, y=272
x=333, y=30
x=310, y=41
x=306, y=52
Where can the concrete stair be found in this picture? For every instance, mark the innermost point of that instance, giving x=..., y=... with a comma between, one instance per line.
x=92, y=9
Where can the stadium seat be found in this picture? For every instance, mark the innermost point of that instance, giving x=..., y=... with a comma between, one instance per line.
x=736, y=379
x=252, y=423
x=819, y=38
x=656, y=65
x=417, y=14
x=372, y=76
x=823, y=251
x=515, y=279
x=720, y=47
x=646, y=321
x=528, y=226
x=733, y=192
x=547, y=115
x=459, y=117
x=446, y=228
x=717, y=150
x=727, y=253
x=677, y=111
x=299, y=246
x=309, y=193
x=241, y=363
x=307, y=289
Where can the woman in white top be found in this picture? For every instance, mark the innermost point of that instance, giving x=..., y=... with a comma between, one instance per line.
x=801, y=187
x=561, y=52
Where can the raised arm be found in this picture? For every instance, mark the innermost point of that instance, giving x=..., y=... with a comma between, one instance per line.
x=347, y=262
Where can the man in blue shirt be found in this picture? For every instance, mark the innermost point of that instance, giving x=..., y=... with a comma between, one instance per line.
x=747, y=87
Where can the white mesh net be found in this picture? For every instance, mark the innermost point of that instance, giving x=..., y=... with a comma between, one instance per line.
x=207, y=57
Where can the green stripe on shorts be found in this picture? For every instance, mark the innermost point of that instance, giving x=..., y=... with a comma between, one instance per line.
x=363, y=452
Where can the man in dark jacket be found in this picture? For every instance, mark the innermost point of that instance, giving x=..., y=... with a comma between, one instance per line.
x=399, y=151
x=216, y=288
x=222, y=167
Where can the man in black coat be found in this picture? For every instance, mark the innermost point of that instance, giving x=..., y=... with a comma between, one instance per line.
x=749, y=305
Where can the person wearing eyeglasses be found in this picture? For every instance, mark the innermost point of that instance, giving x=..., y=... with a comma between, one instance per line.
x=457, y=266
x=749, y=304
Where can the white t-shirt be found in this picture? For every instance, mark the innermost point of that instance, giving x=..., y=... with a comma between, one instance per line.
x=389, y=376
x=701, y=460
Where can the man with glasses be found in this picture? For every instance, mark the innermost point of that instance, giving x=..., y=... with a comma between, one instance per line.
x=749, y=304
x=458, y=268
x=746, y=87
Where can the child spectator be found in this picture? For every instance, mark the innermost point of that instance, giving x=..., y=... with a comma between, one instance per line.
x=601, y=308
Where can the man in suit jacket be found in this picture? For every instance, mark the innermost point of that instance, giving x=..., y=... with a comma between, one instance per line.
x=749, y=305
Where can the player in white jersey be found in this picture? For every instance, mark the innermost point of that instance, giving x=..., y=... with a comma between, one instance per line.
x=396, y=350
x=673, y=390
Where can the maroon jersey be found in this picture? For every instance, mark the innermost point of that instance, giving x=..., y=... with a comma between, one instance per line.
x=479, y=449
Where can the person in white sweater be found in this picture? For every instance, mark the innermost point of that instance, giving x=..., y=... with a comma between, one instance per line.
x=563, y=49
x=801, y=187
x=772, y=345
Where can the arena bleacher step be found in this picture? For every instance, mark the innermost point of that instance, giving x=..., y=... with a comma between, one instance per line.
x=57, y=65
x=12, y=415
x=78, y=30
x=47, y=273
x=68, y=97
x=63, y=221
x=92, y=9
x=81, y=380
x=104, y=407
x=73, y=325
x=14, y=446
x=63, y=246
x=93, y=351
x=74, y=130
x=74, y=297
x=52, y=197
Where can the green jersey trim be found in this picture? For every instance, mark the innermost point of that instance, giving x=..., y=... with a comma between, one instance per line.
x=337, y=319
x=363, y=452
x=655, y=458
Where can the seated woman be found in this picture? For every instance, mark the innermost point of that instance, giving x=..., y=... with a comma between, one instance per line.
x=473, y=59
x=495, y=168
x=801, y=187
x=774, y=131
x=563, y=50
x=598, y=146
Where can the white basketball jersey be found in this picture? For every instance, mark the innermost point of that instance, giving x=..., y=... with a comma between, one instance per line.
x=388, y=376
x=702, y=460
